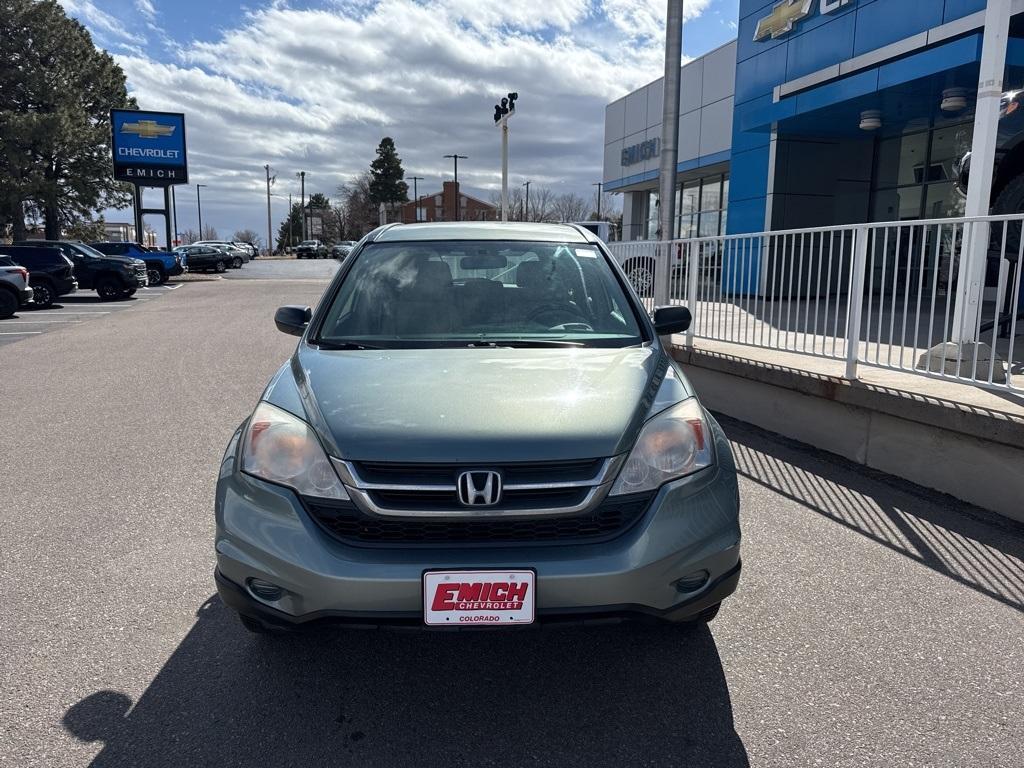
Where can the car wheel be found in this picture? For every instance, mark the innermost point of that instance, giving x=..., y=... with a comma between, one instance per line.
x=156, y=276
x=43, y=295
x=130, y=292
x=237, y=263
x=640, y=272
x=220, y=267
x=109, y=289
x=8, y=304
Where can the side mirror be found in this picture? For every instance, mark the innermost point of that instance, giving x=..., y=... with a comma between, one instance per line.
x=292, y=319
x=669, y=320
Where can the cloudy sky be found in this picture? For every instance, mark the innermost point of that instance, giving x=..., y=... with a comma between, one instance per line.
x=314, y=84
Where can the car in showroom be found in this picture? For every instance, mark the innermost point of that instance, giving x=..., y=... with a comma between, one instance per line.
x=112, y=277
x=311, y=249
x=52, y=273
x=479, y=427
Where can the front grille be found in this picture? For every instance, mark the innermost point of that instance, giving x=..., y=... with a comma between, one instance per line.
x=345, y=522
x=420, y=474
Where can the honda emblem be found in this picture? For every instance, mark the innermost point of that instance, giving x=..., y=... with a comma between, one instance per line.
x=479, y=488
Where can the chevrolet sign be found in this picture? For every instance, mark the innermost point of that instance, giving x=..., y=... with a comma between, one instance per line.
x=787, y=14
x=640, y=152
x=149, y=147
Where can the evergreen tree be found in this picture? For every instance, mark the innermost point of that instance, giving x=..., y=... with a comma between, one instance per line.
x=56, y=93
x=386, y=174
x=290, y=231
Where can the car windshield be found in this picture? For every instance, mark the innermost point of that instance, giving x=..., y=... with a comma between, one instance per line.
x=480, y=293
x=308, y=242
x=87, y=250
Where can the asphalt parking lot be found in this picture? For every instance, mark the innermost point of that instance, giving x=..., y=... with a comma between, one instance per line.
x=876, y=624
x=73, y=309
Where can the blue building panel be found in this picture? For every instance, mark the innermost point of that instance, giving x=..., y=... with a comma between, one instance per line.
x=885, y=21
x=847, y=88
x=749, y=174
x=956, y=9
x=760, y=74
x=957, y=53
x=813, y=50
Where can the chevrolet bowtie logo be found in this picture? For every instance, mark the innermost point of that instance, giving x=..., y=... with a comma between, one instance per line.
x=147, y=129
x=782, y=19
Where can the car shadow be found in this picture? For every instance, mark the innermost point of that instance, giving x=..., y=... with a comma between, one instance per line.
x=586, y=696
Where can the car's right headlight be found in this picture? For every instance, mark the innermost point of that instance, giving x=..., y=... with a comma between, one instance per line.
x=672, y=444
x=281, y=448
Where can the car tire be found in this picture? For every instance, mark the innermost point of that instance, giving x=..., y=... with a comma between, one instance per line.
x=8, y=304
x=43, y=295
x=237, y=263
x=640, y=273
x=706, y=616
x=130, y=291
x=109, y=289
x=156, y=276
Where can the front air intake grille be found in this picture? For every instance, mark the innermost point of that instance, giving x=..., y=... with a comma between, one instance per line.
x=345, y=522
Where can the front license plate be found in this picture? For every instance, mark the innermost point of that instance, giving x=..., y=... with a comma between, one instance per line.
x=478, y=598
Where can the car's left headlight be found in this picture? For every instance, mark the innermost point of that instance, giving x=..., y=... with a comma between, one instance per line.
x=284, y=449
x=672, y=444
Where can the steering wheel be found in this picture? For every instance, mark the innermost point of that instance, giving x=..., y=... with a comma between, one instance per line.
x=561, y=310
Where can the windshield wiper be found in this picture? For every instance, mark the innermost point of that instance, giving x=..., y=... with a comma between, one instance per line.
x=523, y=343
x=342, y=345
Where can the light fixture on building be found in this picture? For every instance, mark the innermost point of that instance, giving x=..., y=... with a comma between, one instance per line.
x=870, y=120
x=954, y=100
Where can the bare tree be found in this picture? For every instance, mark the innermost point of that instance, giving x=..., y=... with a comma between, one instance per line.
x=209, y=233
x=188, y=236
x=361, y=213
x=247, y=236
x=569, y=207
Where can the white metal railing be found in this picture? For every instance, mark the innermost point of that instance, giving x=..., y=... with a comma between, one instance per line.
x=909, y=296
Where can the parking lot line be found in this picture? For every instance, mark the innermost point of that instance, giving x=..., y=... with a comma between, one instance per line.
x=18, y=333
x=63, y=312
x=31, y=321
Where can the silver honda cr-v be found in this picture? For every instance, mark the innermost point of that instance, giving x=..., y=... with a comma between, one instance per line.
x=479, y=427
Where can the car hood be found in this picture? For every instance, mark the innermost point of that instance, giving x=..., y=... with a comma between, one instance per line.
x=471, y=405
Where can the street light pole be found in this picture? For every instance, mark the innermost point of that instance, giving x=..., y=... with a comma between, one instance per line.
x=503, y=111
x=669, y=142
x=599, y=185
x=456, y=158
x=527, y=184
x=199, y=206
x=302, y=206
x=174, y=207
x=291, y=224
x=270, y=235
x=416, y=195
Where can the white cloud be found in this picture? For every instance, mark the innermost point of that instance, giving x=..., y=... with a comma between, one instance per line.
x=108, y=27
x=315, y=89
x=145, y=7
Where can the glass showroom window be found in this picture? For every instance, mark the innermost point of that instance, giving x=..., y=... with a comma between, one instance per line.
x=700, y=207
x=914, y=174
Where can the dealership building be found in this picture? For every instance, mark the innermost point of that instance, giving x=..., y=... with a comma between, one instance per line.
x=820, y=113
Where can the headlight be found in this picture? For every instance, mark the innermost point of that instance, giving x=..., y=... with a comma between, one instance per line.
x=673, y=444
x=283, y=449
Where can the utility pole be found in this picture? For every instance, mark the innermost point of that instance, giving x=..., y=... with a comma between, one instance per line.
x=600, y=186
x=291, y=223
x=199, y=205
x=270, y=231
x=456, y=158
x=302, y=177
x=527, y=207
x=416, y=195
x=503, y=111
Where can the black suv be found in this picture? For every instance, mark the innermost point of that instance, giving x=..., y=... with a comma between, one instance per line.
x=51, y=273
x=113, y=277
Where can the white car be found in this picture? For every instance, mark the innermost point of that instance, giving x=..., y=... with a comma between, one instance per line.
x=14, y=288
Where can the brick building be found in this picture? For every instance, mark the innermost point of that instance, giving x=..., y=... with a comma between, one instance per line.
x=448, y=205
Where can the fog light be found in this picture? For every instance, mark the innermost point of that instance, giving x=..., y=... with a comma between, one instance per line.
x=693, y=581
x=264, y=590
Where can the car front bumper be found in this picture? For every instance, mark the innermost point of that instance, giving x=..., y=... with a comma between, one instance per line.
x=25, y=294
x=263, y=532
x=176, y=270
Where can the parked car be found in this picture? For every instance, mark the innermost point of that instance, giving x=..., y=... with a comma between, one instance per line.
x=202, y=258
x=52, y=273
x=15, y=289
x=160, y=265
x=311, y=249
x=112, y=277
x=342, y=249
x=478, y=427
x=247, y=247
x=236, y=256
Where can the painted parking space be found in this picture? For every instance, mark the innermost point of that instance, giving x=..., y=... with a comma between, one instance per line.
x=74, y=309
